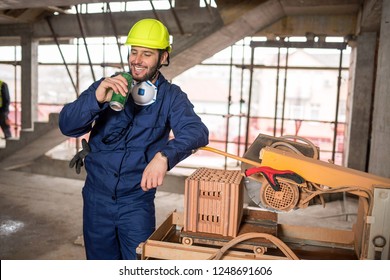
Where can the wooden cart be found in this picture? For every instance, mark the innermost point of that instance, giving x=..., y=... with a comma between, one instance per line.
x=278, y=242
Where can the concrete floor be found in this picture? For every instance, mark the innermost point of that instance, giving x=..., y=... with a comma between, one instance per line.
x=41, y=215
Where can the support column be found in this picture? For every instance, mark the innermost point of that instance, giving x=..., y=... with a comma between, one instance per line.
x=380, y=148
x=357, y=132
x=29, y=67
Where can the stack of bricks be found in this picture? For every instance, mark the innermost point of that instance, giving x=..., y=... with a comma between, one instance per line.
x=213, y=202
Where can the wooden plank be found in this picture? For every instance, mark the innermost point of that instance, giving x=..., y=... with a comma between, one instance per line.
x=172, y=251
x=321, y=172
x=302, y=234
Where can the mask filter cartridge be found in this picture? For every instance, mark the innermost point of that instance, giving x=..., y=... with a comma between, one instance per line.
x=144, y=93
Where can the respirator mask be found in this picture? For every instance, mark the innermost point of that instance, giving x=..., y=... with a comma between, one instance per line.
x=144, y=93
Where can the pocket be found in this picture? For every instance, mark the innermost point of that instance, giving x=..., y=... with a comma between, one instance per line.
x=139, y=216
x=114, y=135
x=111, y=127
x=150, y=121
x=89, y=205
x=152, y=126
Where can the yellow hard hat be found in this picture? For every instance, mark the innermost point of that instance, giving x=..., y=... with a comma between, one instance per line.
x=149, y=33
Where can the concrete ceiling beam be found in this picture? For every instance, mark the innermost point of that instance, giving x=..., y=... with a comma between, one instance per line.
x=247, y=24
x=20, y=4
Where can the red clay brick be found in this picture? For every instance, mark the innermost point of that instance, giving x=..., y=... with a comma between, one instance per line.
x=213, y=201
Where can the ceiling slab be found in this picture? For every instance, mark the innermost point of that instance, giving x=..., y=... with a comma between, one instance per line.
x=22, y=4
x=198, y=33
x=246, y=25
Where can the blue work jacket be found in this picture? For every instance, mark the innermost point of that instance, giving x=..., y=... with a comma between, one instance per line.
x=123, y=143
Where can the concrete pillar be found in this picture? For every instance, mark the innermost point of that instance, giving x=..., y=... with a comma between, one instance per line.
x=29, y=65
x=379, y=163
x=357, y=132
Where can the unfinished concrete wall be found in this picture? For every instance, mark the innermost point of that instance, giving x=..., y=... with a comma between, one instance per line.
x=380, y=137
x=359, y=103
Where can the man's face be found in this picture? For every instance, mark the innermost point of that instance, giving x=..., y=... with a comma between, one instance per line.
x=143, y=63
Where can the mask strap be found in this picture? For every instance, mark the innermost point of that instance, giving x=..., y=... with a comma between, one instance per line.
x=160, y=52
x=154, y=76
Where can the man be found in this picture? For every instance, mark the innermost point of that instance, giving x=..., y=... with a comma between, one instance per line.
x=4, y=110
x=130, y=150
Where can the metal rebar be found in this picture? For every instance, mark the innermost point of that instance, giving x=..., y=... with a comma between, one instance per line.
x=336, y=119
x=62, y=55
x=277, y=91
x=241, y=101
x=176, y=18
x=284, y=93
x=229, y=103
x=115, y=30
x=154, y=10
x=249, y=99
x=85, y=42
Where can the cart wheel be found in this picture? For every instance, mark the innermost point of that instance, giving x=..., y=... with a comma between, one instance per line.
x=259, y=250
x=187, y=241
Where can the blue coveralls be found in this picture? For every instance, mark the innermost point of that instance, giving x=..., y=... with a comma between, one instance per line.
x=117, y=213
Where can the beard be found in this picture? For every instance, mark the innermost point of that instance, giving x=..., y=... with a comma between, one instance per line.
x=149, y=76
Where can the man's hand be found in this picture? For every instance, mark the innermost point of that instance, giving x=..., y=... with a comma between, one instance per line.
x=154, y=172
x=117, y=84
